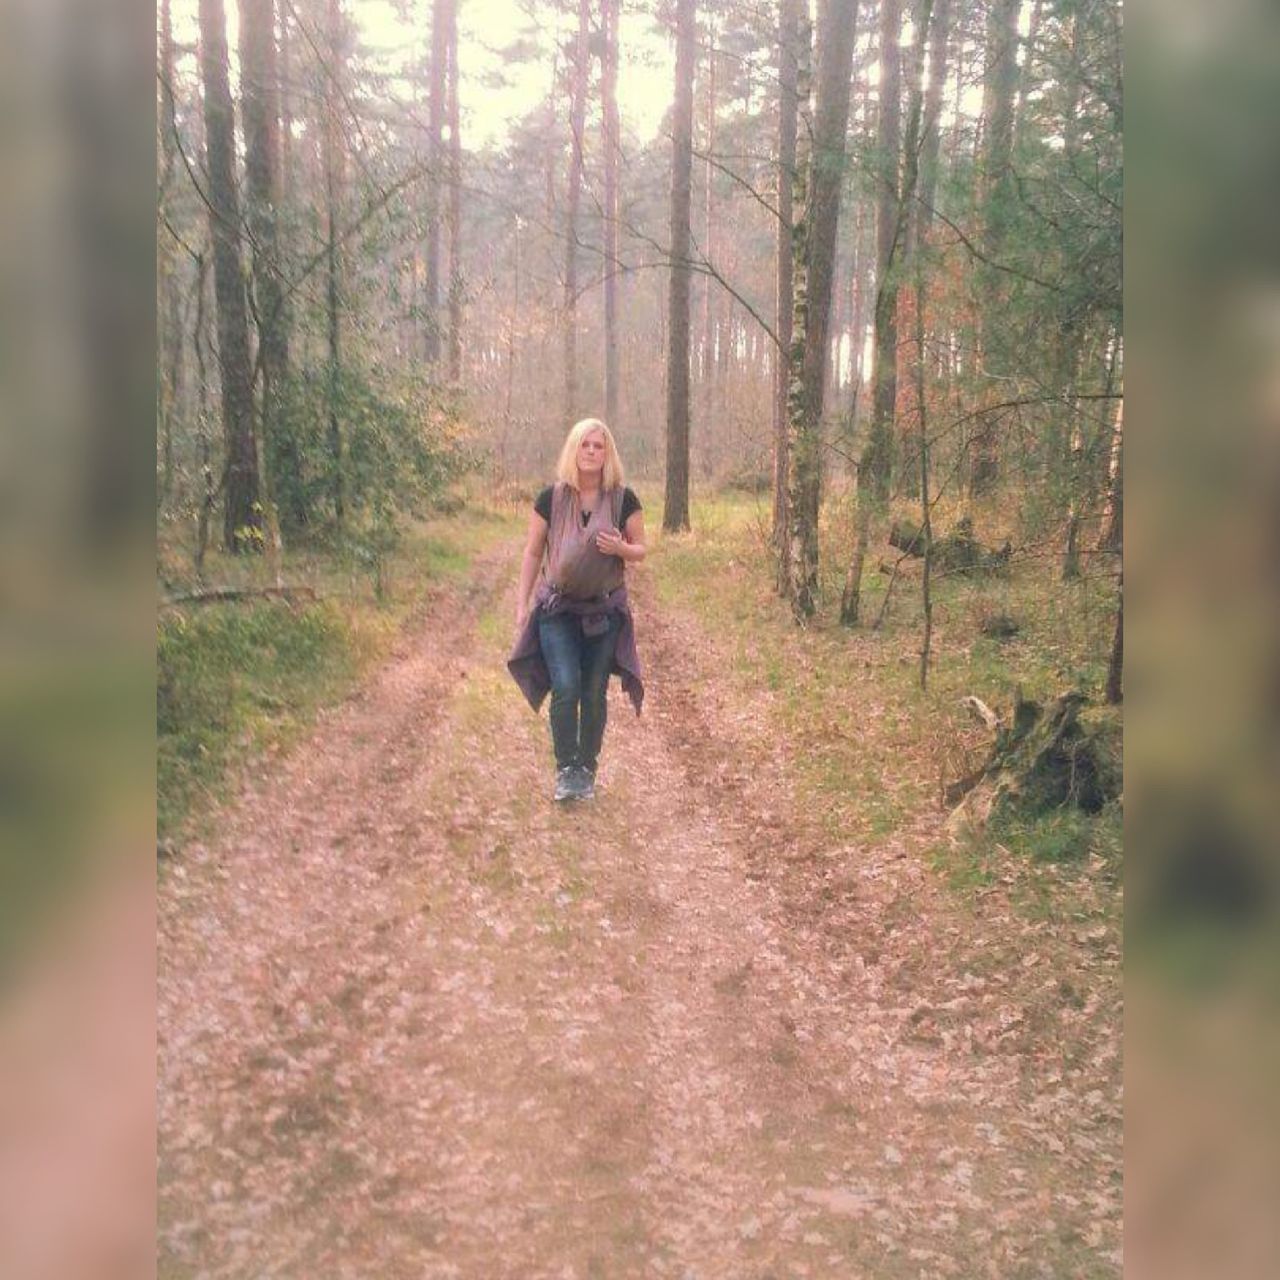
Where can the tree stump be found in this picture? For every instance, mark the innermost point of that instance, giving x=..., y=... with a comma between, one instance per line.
x=1043, y=758
x=955, y=552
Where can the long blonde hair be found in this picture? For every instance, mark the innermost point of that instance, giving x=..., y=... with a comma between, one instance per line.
x=567, y=466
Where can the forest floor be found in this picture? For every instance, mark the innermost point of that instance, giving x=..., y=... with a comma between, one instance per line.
x=415, y=1020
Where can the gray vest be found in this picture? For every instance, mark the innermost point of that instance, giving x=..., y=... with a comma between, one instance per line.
x=573, y=563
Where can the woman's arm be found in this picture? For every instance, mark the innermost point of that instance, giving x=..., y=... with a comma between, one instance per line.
x=628, y=545
x=534, y=546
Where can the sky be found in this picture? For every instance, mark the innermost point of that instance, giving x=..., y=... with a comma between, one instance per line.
x=646, y=72
x=646, y=55
x=644, y=82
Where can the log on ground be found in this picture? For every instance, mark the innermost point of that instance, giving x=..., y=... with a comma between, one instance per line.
x=1044, y=758
x=957, y=551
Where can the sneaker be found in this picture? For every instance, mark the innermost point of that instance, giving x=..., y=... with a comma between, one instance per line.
x=586, y=780
x=567, y=783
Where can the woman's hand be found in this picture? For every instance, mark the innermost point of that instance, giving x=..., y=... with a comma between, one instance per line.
x=610, y=542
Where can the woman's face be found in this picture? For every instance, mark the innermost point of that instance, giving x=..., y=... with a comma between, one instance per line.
x=591, y=452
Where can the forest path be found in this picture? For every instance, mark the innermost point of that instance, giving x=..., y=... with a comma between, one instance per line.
x=417, y=1021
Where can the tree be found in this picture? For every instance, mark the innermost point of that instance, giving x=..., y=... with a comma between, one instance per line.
x=455, y=198
x=1026, y=79
x=1115, y=665
x=875, y=460
x=263, y=184
x=788, y=34
x=676, y=513
x=436, y=108
x=999, y=86
x=910, y=180
x=939, y=40
x=334, y=182
x=242, y=514
x=813, y=281
x=172, y=341
x=1112, y=538
x=708, y=347
x=612, y=141
x=577, y=125
x=288, y=166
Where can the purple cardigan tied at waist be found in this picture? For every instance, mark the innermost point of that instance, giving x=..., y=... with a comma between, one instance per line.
x=527, y=665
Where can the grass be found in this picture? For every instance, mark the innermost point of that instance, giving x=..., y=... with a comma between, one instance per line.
x=875, y=747
x=238, y=679
x=231, y=682
x=1062, y=836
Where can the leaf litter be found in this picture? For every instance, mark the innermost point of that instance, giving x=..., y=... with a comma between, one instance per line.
x=414, y=1020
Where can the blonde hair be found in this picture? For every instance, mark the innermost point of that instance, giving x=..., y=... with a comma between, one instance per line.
x=567, y=466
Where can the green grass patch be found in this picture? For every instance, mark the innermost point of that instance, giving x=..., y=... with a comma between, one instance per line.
x=1060, y=841
x=871, y=745
x=1061, y=836
x=720, y=572
x=236, y=679
x=232, y=681
x=966, y=867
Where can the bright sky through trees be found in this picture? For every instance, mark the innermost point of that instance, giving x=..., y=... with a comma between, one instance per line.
x=493, y=92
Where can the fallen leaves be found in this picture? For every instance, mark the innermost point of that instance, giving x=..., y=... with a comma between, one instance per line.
x=416, y=1023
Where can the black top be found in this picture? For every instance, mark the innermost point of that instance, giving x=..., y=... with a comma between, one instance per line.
x=630, y=504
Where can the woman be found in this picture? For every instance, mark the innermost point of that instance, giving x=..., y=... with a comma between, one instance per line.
x=574, y=626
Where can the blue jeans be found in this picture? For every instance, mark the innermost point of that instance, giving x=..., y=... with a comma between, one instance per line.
x=579, y=668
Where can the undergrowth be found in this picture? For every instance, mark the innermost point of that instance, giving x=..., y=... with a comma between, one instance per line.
x=874, y=749
x=239, y=678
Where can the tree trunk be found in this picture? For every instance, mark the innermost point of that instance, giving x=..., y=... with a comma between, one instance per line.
x=912, y=61
x=611, y=144
x=812, y=311
x=788, y=34
x=204, y=454
x=1112, y=538
x=1045, y=759
x=910, y=180
x=577, y=123
x=334, y=179
x=939, y=39
x=288, y=175
x=835, y=327
x=511, y=333
x=875, y=461
x=436, y=108
x=455, y=199
x=263, y=181
x=999, y=84
x=858, y=308
x=1115, y=667
x=1071, y=339
x=1071, y=567
x=676, y=513
x=1024, y=74
x=1070, y=439
x=242, y=517
x=957, y=100
x=173, y=339
x=707, y=387
x=922, y=436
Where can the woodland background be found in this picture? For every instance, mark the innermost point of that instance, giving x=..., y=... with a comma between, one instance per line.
x=859, y=284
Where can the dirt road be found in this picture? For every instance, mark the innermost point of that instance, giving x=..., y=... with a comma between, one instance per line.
x=416, y=1021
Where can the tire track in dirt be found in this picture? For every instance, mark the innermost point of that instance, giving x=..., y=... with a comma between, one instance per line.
x=933, y=1132
x=418, y=1021
x=277, y=953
